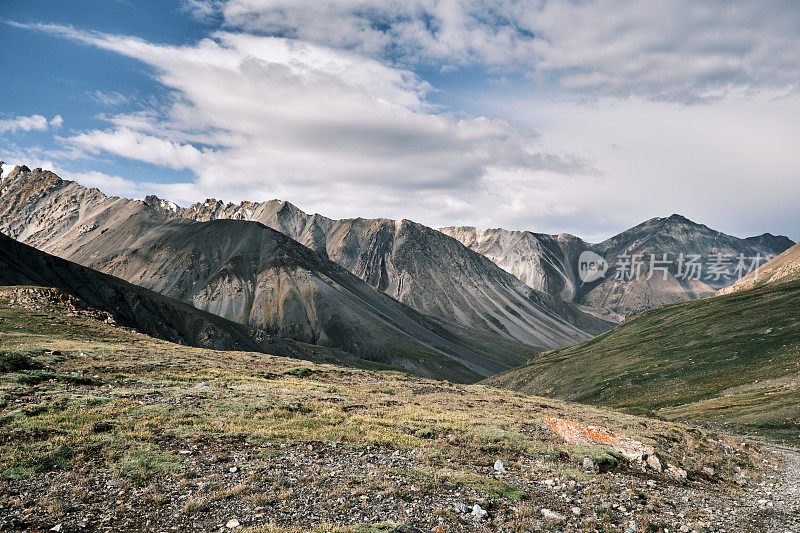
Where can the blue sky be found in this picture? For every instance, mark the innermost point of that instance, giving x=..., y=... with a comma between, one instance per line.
x=546, y=115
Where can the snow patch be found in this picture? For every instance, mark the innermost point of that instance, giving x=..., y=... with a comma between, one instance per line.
x=172, y=206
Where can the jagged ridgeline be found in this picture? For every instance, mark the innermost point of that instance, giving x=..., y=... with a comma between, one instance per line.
x=259, y=277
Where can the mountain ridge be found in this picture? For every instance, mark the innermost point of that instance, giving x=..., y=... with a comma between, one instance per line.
x=433, y=274
x=289, y=289
x=515, y=252
x=399, y=257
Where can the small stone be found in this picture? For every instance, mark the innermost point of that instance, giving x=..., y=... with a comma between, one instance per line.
x=102, y=427
x=461, y=508
x=739, y=479
x=576, y=511
x=185, y=452
x=233, y=469
x=676, y=472
x=57, y=528
x=590, y=465
x=709, y=471
x=499, y=467
x=653, y=462
x=552, y=515
x=478, y=513
x=232, y=524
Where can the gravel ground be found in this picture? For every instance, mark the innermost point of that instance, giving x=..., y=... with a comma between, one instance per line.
x=314, y=484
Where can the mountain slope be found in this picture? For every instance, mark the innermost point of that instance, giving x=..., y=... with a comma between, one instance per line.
x=419, y=266
x=785, y=267
x=131, y=306
x=256, y=276
x=732, y=360
x=541, y=261
x=170, y=438
x=550, y=263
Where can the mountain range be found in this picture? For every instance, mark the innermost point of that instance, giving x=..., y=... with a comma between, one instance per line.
x=418, y=266
x=458, y=303
x=247, y=272
x=550, y=262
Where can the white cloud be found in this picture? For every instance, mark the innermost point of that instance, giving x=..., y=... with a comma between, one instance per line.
x=24, y=123
x=109, y=184
x=142, y=147
x=679, y=50
x=108, y=99
x=202, y=9
x=30, y=123
x=731, y=164
x=264, y=117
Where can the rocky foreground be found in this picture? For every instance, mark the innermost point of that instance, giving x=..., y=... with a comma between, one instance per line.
x=105, y=429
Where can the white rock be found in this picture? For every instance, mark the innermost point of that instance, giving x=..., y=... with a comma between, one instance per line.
x=232, y=524
x=233, y=469
x=478, y=513
x=576, y=511
x=57, y=528
x=552, y=515
x=499, y=467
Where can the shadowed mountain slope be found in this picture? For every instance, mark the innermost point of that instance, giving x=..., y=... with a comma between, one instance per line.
x=131, y=306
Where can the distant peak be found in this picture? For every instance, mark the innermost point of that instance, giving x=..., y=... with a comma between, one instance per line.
x=678, y=218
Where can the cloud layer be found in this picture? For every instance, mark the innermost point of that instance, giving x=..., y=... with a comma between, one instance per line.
x=679, y=50
x=255, y=116
x=648, y=110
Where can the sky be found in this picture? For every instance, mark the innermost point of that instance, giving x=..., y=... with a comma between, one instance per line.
x=553, y=116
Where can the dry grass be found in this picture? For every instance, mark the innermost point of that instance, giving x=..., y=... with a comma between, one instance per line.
x=118, y=408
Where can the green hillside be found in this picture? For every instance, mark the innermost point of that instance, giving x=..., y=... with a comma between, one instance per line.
x=733, y=360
